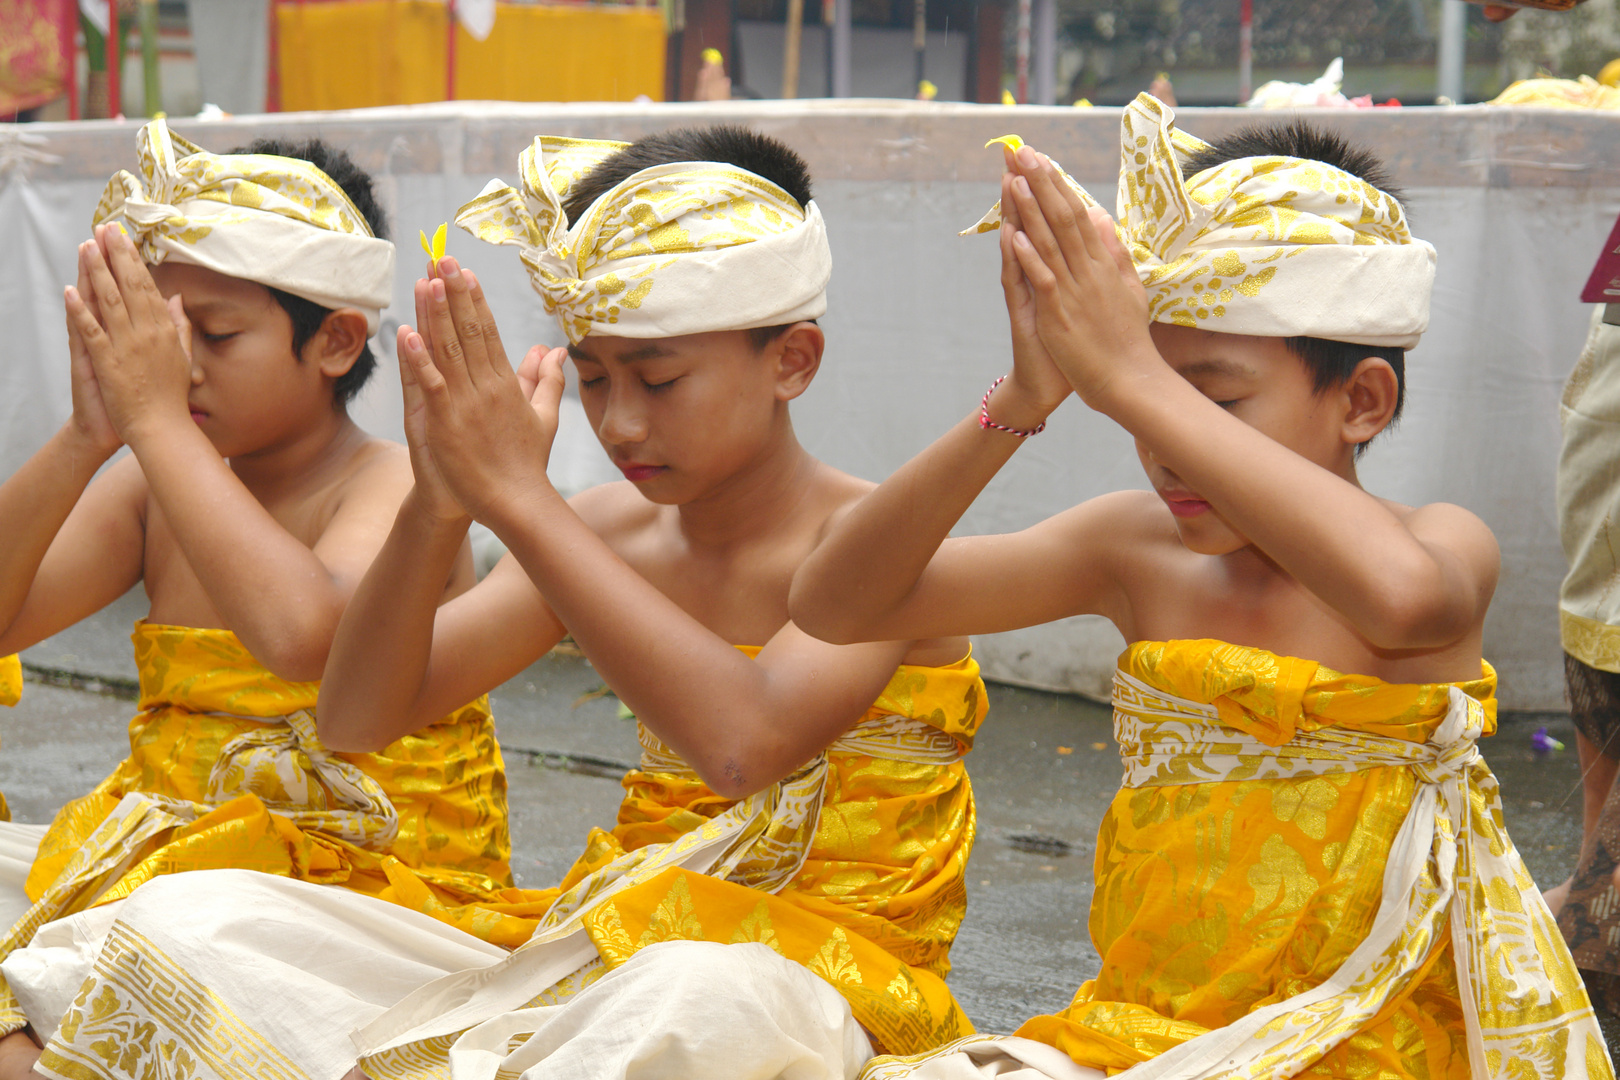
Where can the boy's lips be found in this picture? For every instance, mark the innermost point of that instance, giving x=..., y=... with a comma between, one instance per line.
x=198, y=415
x=634, y=472
x=1184, y=504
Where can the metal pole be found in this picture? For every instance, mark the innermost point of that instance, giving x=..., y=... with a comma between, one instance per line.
x=66, y=33
x=272, y=77
x=919, y=44
x=790, y=48
x=1022, y=59
x=1045, y=46
x=841, y=33
x=115, y=62
x=1246, y=51
x=829, y=16
x=151, y=75
x=1453, y=20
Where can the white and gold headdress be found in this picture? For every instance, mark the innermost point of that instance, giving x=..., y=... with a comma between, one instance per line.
x=1269, y=246
x=278, y=221
x=675, y=249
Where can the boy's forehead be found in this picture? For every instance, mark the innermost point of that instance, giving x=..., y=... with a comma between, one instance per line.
x=605, y=348
x=201, y=287
x=1193, y=351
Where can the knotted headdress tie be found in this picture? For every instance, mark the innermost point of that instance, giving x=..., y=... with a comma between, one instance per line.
x=278, y=221
x=682, y=248
x=1269, y=246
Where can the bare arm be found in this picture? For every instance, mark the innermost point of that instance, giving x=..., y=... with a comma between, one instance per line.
x=281, y=597
x=1417, y=581
x=489, y=432
x=63, y=557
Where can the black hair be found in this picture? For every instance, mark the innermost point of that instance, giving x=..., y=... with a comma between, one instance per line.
x=726, y=143
x=306, y=315
x=1331, y=363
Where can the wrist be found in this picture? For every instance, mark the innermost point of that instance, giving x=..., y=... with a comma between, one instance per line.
x=516, y=508
x=155, y=424
x=1009, y=407
x=434, y=519
x=85, y=451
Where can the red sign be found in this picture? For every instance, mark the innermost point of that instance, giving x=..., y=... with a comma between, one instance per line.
x=1603, y=287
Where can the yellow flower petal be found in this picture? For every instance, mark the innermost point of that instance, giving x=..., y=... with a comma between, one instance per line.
x=712, y=56
x=435, y=248
x=1011, y=142
x=1007, y=98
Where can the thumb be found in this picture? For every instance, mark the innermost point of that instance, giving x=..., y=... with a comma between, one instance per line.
x=528, y=371
x=546, y=398
x=182, y=324
x=1111, y=241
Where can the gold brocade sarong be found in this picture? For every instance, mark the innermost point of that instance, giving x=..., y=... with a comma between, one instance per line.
x=852, y=866
x=10, y=693
x=225, y=770
x=1309, y=870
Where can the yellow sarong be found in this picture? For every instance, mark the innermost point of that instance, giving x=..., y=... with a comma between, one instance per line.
x=852, y=866
x=10, y=693
x=225, y=770
x=1269, y=804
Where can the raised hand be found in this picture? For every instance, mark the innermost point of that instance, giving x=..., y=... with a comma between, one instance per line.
x=1036, y=386
x=142, y=370
x=1090, y=307
x=432, y=494
x=90, y=421
x=487, y=433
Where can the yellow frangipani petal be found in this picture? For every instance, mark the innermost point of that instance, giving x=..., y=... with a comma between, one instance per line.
x=712, y=56
x=1011, y=142
x=435, y=249
x=1007, y=98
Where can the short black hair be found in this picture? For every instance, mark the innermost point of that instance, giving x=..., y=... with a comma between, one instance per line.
x=306, y=315
x=729, y=144
x=1331, y=363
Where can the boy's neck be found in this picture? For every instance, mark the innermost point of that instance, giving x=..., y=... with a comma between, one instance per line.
x=755, y=500
x=302, y=459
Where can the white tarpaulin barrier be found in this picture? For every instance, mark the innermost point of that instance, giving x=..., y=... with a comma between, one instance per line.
x=1517, y=201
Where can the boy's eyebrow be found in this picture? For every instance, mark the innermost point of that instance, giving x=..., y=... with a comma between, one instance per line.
x=650, y=351
x=1214, y=366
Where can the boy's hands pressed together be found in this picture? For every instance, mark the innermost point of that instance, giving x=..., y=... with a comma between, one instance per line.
x=1035, y=387
x=1090, y=308
x=141, y=369
x=487, y=430
x=89, y=422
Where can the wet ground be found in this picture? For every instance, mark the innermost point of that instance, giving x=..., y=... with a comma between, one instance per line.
x=1043, y=770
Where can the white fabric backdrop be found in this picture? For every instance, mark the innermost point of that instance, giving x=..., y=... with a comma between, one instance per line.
x=1517, y=202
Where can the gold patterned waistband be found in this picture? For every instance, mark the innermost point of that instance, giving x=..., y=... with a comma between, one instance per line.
x=892, y=737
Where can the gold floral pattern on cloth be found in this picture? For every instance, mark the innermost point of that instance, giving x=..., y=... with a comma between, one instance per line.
x=1271, y=246
x=1306, y=873
x=853, y=866
x=225, y=770
x=650, y=256
x=279, y=221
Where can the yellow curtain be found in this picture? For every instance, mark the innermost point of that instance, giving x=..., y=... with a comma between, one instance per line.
x=350, y=54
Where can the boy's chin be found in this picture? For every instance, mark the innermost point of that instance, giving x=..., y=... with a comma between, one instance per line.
x=1209, y=537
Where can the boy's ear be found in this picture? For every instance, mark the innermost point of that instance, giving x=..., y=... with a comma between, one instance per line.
x=798, y=359
x=337, y=344
x=1370, y=396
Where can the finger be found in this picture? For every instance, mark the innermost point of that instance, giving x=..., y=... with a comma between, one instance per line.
x=109, y=298
x=547, y=396
x=407, y=372
x=494, y=350
x=1037, y=231
x=464, y=317
x=141, y=295
x=421, y=294
x=1060, y=215
x=1009, y=207
x=528, y=372
x=1013, y=283
x=1109, y=238
x=182, y=323
x=87, y=291
x=448, y=356
x=1042, y=281
x=425, y=374
x=91, y=334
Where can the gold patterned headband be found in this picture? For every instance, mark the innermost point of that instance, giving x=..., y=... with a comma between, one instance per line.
x=278, y=221
x=1268, y=246
x=682, y=248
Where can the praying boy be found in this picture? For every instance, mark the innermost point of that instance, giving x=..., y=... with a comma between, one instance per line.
x=1305, y=871
x=219, y=329
x=785, y=880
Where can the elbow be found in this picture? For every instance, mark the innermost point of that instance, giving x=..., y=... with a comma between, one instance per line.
x=1418, y=618
x=296, y=660
x=338, y=733
x=832, y=623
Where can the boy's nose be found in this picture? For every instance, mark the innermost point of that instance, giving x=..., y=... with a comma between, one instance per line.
x=623, y=424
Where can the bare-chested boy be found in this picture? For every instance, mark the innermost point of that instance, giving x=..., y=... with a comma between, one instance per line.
x=1305, y=871
x=785, y=880
x=219, y=328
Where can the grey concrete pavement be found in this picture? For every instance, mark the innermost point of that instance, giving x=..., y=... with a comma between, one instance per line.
x=1024, y=947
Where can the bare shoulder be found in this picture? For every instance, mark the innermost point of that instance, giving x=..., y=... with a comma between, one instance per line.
x=1454, y=528
x=614, y=509
x=1120, y=519
x=378, y=461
